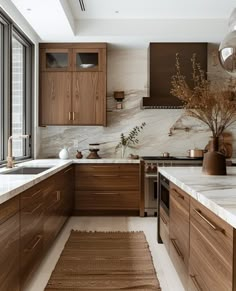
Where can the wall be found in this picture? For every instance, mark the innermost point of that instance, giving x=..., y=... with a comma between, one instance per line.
x=127, y=70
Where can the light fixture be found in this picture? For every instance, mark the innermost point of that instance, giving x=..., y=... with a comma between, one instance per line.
x=227, y=49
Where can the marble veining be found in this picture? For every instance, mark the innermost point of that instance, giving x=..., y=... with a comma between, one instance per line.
x=217, y=193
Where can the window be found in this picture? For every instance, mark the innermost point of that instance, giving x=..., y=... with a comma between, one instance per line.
x=15, y=89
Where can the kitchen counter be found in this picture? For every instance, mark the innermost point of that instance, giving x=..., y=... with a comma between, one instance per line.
x=11, y=185
x=217, y=193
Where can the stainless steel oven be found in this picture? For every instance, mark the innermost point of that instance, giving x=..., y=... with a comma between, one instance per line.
x=151, y=183
x=164, y=193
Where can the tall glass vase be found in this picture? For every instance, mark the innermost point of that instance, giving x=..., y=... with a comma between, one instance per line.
x=214, y=162
x=123, y=151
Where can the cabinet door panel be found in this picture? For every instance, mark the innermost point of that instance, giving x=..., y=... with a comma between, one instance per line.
x=55, y=98
x=211, y=250
x=9, y=257
x=86, y=98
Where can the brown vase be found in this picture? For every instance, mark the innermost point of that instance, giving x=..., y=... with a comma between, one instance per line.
x=214, y=162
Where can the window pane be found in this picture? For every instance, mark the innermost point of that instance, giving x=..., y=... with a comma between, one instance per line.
x=18, y=93
x=1, y=90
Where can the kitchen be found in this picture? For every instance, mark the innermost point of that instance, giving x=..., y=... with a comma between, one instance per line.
x=127, y=71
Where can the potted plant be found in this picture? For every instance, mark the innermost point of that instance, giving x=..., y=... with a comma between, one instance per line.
x=129, y=140
x=211, y=102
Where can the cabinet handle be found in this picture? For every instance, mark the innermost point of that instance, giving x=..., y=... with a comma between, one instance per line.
x=213, y=226
x=106, y=175
x=69, y=115
x=34, y=210
x=106, y=193
x=163, y=219
x=73, y=115
x=58, y=195
x=178, y=194
x=35, y=193
x=68, y=170
x=177, y=248
x=38, y=238
x=195, y=282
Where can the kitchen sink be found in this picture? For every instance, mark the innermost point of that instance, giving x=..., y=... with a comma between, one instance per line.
x=26, y=171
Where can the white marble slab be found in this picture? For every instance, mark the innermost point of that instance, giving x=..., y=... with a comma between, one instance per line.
x=11, y=185
x=217, y=193
x=105, y=161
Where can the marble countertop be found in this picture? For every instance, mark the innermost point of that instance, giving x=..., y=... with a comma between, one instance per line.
x=11, y=185
x=217, y=193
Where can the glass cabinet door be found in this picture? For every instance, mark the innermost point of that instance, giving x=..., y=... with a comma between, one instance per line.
x=56, y=60
x=87, y=60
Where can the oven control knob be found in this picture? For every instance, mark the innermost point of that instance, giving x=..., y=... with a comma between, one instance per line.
x=148, y=169
x=154, y=168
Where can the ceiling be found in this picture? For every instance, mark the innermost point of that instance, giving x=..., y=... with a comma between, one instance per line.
x=126, y=21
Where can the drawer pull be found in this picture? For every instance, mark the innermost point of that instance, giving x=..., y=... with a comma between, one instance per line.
x=178, y=194
x=213, y=226
x=69, y=115
x=38, y=239
x=195, y=282
x=106, y=175
x=67, y=170
x=177, y=248
x=163, y=219
x=31, y=196
x=34, y=210
x=106, y=193
x=58, y=195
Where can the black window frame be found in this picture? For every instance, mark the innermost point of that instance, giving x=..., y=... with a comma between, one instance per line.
x=11, y=29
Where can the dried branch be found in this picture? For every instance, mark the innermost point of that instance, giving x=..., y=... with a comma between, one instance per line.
x=208, y=101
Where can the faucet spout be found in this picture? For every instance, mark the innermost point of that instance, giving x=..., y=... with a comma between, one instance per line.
x=10, y=160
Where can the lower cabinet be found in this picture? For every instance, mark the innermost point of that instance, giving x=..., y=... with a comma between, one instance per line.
x=211, y=251
x=201, y=245
x=179, y=231
x=44, y=208
x=112, y=189
x=9, y=245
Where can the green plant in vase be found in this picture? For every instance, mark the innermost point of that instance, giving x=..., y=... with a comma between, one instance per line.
x=129, y=140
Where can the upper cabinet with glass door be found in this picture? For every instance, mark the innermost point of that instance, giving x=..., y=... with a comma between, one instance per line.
x=88, y=59
x=56, y=60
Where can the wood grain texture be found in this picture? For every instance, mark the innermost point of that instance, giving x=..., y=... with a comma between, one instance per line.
x=55, y=98
x=107, y=187
x=179, y=231
x=164, y=228
x=211, y=250
x=10, y=245
x=142, y=186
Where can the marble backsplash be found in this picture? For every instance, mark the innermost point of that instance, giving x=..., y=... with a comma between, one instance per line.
x=127, y=69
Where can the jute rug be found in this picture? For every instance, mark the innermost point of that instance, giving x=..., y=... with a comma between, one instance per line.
x=104, y=261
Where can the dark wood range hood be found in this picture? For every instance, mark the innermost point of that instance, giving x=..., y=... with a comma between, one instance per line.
x=162, y=59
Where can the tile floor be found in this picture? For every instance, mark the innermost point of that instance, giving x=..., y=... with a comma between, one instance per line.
x=165, y=270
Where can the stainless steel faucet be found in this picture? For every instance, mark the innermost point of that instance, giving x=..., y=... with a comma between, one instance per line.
x=10, y=160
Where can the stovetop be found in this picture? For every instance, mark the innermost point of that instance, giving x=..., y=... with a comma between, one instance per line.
x=169, y=158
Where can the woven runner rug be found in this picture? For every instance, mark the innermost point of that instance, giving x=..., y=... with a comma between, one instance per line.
x=104, y=261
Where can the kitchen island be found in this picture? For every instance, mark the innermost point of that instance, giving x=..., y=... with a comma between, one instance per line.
x=199, y=227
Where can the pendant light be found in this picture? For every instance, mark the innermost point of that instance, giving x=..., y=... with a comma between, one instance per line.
x=227, y=49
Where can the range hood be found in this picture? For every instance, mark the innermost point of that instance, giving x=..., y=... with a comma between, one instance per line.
x=162, y=59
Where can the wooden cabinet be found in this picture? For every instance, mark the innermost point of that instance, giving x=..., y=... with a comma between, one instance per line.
x=211, y=251
x=9, y=245
x=107, y=189
x=44, y=208
x=31, y=234
x=179, y=231
x=72, y=84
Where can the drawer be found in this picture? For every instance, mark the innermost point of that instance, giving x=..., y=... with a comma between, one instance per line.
x=8, y=209
x=107, y=200
x=211, y=250
x=181, y=197
x=31, y=196
x=164, y=228
x=111, y=181
x=9, y=258
x=87, y=170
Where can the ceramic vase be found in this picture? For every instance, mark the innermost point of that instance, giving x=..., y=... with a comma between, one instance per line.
x=214, y=162
x=64, y=154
